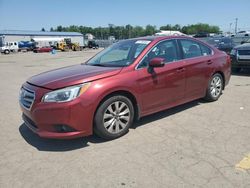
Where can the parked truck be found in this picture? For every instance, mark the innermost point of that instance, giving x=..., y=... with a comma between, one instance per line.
x=8, y=47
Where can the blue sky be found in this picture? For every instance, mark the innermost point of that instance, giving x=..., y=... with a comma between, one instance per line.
x=33, y=15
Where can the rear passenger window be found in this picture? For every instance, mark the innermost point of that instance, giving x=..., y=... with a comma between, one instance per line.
x=190, y=49
x=205, y=50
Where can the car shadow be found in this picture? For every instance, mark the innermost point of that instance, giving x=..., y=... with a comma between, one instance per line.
x=44, y=144
x=166, y=113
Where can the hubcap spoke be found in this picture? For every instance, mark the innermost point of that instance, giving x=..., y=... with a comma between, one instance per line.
x=124, y=112
x=109, y=122
x=111, y=127
x=117, y=126
x=107, y=116
x=123, y=125
x=117, y=107
x=111, y=110
x=126, y=118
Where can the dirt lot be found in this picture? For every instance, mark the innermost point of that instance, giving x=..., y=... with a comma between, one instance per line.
x=194, y=145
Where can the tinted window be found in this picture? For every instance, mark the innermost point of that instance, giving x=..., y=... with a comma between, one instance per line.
x=166, y=49
x=205, y=50
x=190, y=49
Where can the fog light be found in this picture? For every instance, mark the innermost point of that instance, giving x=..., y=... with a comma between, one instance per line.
x=63, y=128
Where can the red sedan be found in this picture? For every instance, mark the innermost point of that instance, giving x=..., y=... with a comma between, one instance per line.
x=43, y=49
x=128, y=80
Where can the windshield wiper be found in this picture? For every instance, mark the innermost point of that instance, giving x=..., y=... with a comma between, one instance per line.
x=97, y=64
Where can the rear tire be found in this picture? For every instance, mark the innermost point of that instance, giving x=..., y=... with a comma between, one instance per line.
x=214, y=88
x=114, y=117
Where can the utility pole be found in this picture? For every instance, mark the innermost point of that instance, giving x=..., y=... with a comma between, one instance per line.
x=230, y=26
x=236, y=23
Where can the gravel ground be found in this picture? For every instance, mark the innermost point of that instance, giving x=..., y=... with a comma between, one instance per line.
x=193, y=145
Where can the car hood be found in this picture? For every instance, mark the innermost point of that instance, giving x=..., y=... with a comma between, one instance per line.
x=245, y=46
x=72, y=75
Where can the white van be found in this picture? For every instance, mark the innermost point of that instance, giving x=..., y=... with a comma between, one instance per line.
x=9, y=47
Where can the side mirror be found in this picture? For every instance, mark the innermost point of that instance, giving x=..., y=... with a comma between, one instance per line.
x=157, y=62
x=154, y=63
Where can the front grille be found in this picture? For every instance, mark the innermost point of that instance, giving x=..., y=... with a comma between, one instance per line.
x=244, y=52
x=26, y=98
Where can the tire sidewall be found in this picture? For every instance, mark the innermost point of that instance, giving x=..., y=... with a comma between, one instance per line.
x=99, y=128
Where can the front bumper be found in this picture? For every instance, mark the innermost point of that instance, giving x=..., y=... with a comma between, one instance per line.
x=44, y=118
x=236, y=63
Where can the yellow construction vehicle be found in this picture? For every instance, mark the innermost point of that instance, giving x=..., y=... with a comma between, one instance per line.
x=63, y=46
x=66, y=46
x=75, y=46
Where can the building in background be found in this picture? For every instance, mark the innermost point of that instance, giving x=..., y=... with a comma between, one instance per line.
x=169, y=33
x=18, y=36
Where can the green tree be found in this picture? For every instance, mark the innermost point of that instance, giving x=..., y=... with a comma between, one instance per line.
x=150, y=30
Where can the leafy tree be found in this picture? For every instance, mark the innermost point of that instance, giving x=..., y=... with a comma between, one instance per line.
x=43, y=29
x=129, y=31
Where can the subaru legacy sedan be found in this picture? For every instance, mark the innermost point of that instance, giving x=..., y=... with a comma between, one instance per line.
x=130, y=79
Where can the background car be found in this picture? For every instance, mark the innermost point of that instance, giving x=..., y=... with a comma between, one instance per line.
x=92, y=44
x=242, y=34
x=42, y=49
x=225, y=44
x=240, y=56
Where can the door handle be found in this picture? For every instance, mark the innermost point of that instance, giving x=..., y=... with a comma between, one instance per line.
x=209, y=62
x=180, y=69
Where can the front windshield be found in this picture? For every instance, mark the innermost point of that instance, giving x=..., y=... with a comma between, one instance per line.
x=120, y=54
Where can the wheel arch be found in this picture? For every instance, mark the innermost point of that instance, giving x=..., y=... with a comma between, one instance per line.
x=127, y=94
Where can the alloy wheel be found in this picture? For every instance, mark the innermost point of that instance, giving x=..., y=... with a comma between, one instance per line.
x=116, y=117
x=216, y=86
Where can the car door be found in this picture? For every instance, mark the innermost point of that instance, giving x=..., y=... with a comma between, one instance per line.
x=198, y=66
x=165, y=86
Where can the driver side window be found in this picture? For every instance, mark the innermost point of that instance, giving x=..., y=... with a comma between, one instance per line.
x=166, y=49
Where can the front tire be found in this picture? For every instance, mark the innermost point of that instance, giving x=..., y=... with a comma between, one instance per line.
x=114, y=117
x=214, y=88
x=6, y=51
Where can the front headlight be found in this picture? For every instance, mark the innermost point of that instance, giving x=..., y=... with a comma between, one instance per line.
x=233, y=52
x=66, y=94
